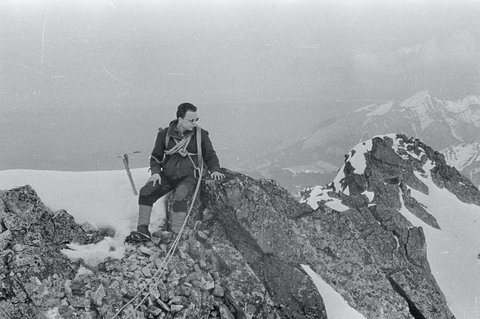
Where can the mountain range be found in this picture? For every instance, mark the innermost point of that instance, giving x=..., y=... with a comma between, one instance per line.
x=452, y=126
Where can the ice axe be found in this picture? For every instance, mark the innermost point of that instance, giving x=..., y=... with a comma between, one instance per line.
x=127, y=168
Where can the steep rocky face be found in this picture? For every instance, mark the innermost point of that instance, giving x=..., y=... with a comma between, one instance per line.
x=375, y=260
x=372, y=186
x=256, y=219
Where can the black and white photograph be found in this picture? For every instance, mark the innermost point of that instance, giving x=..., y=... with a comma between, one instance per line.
x=239, y=159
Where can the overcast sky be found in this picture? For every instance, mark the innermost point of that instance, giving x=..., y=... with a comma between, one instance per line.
x=238, y=49
x=111, y=54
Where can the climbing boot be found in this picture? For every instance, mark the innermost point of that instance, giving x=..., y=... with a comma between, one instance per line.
x=143, y=230
x=142, y=234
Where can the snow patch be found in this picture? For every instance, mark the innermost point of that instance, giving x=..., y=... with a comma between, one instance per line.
x=93, y=254
x=356, y=157
x=397, y=240
x=452, y=251
x=319, y=193
x=401, y=147
x=370, y=195
x=336, y=306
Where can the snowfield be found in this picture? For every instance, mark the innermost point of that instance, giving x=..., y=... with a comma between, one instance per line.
x=103, y=199
x=452, y=251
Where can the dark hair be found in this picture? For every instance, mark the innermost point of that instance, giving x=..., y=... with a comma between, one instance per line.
x=183, y=108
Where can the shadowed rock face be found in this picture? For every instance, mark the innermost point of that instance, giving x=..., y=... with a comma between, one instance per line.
x=239, y=203
x=264, y=220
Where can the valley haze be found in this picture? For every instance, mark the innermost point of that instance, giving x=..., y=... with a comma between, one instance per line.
x=82, y=83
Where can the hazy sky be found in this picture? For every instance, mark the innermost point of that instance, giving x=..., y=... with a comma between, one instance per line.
x=231, y=57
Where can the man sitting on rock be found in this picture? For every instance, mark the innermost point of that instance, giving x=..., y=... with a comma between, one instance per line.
x=175, y=165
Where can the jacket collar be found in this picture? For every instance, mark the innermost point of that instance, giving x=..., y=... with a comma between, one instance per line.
x=172, y=130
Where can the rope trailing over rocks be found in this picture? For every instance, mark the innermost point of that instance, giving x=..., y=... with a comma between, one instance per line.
x=168, y=257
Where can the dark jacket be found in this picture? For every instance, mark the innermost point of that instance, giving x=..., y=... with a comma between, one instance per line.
x=176, y=166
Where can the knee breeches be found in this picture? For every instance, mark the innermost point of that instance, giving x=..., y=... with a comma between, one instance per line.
x=183, y=188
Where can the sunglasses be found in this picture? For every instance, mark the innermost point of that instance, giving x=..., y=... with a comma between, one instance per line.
x=192, y=120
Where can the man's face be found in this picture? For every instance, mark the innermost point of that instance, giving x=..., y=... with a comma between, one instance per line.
x=189, y=121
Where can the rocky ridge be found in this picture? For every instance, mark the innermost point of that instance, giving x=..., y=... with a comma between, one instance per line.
x=206, y=278
x=243, y=248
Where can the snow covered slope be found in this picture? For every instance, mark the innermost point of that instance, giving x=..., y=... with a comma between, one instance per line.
x=103, y=199
x=453, y=250
x=437, y=194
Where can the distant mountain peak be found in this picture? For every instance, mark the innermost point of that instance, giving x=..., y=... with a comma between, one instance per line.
x=417, y=99
x=462, y=155
x=397, y=159
x=438, y=122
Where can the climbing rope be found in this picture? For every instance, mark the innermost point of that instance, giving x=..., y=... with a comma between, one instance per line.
x=168, y=257
x=180, y=146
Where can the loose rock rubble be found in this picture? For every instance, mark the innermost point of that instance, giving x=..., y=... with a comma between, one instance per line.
x=37, y=281
x=183, y=288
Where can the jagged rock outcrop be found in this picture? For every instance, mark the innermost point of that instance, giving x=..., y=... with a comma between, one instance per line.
x=31, y=239
x=387, y=169
x=241, y=254
x=257, y=219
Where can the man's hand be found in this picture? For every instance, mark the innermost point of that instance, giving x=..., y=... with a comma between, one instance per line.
x=155, y=178
x=217, y=175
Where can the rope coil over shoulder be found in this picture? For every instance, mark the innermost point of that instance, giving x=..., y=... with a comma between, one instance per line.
x=181, y=148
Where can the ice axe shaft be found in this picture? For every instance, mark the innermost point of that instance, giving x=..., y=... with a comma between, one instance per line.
x=127, y=168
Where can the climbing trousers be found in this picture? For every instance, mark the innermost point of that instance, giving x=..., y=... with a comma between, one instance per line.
x=183, y=188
